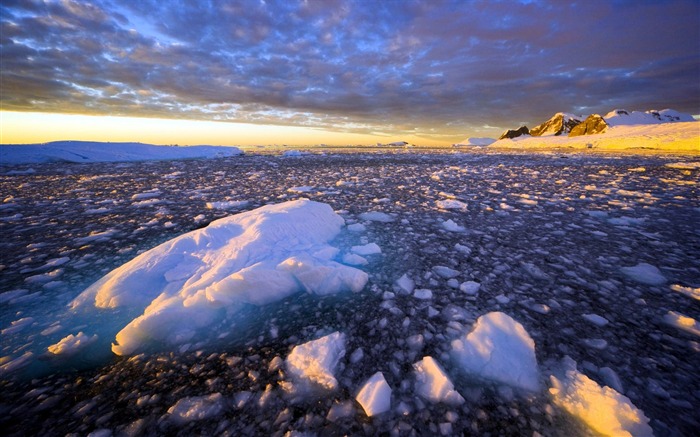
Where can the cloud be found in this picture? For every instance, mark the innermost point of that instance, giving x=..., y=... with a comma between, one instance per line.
x=416, y=67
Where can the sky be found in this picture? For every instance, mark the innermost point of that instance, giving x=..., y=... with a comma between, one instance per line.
x=335, y=72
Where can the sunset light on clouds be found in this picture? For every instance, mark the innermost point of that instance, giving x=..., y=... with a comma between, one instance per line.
x=334, y=72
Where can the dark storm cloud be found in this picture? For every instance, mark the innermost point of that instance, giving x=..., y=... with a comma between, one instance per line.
x=421, y=67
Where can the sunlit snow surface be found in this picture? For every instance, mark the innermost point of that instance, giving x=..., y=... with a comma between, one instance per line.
x=595, y=258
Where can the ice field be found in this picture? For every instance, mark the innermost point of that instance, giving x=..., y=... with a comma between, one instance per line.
x=329, y=294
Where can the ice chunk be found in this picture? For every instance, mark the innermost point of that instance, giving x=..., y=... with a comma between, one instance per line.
x=405, y=283
x=375, y=395
x=451, y=204
x=688, y=291
x=196, y=408
x=71, y=344
x=357, y=227
x=354, y=260
x=423, y=294
x=367, y=249
x=687, y=324
x=596, y=319
x=645, y=273
x=256, y=257
x=499, y=349
x=451, y=226
x=313, y=363
x=433, y=384
x=376, y=216
x=602, y=408
x=470, y=287
x=445, y=272
x=230, y=204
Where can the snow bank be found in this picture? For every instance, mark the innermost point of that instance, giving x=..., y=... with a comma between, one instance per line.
x=256, y=257
x=87, y=151
x=433, y=384
x=312, y=364
x=602, y=408
x=498, y=349
x=375, y=395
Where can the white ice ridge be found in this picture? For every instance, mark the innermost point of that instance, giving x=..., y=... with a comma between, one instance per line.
x=498, y=349
x=192, y=281
x=601, y=408
x=314, y=363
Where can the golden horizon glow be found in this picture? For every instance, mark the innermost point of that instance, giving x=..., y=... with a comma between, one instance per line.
x=41, y=127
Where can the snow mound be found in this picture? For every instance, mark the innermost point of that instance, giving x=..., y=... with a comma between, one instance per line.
x=375, y=395
x=498, y=349
x=601, y=408
x=433, y=384
x=313, y=364
x=88, y=151
x=257, y=257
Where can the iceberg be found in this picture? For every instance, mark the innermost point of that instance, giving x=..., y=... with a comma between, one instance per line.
x=256, y=257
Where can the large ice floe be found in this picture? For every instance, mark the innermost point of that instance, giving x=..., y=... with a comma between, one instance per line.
x=192, y=281
x=498, y=349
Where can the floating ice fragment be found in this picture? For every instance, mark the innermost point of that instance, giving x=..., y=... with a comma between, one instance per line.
x=17, y=326
x=685, y=323
x=644, y=273
x=230, y=204
x=451, y=204
x=302, y=189
x=376, y=216
x=451, y=226
x=423, y=294
x=405, y=283
x=445, y=272
x=196, y=408
x=375, y=395
x=602, y=408
x=354, y=260
x=433, y=384
x=596, y=319
x=470, y=287
x=688, y=291
x=71, y=344
x=367, y=249
x=313, y=363
x=499, y=349
x=356, y=227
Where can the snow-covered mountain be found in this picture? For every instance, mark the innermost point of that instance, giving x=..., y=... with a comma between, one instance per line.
x=619, y=130
x=619, y=117
x=89, y=151
x=560, y=123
